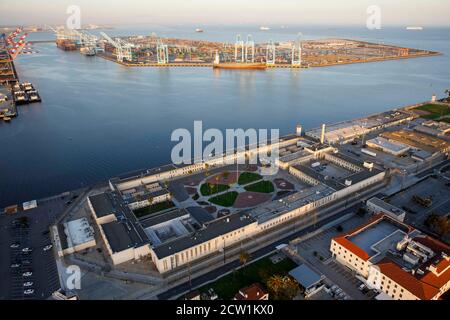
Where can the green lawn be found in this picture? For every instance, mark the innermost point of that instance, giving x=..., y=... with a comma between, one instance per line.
x=208, y=189
x=154, y=208
x=259, y=271
x=247, y=177
x=224, y=200
x=262, y=186
x=436, y=110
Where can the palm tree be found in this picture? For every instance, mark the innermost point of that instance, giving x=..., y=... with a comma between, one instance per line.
x=244, y=256
x=217, y=183
x=225, y=174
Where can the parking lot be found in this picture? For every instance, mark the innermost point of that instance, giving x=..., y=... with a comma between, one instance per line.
x=315, y=253
x=434, y=188
x=27, y=262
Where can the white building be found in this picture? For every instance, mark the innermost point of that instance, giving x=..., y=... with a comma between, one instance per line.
x=376, y=205
x=395, y=259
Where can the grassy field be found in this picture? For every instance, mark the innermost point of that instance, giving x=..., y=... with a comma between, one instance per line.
x=154, y=208
x=436, y=110
x=224, y=200
x=262, y=186
x=208, y=189
x=247, y=177
x=259, y=271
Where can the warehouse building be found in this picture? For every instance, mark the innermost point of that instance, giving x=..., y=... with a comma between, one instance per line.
x=388, y=146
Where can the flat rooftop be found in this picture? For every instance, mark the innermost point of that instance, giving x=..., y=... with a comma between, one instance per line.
x=80, y=231
x=213, y=230
x=388, y=144
x=372, y=235
x=121, y=236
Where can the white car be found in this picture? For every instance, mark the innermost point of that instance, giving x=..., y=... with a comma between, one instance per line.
x=48, y=247
x=27, y=250
x=28, y=291
x=15, y=265
x=14, y=246
x=27, y=274
x=28, y=284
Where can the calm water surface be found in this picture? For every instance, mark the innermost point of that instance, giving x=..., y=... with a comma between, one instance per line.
x=99, y=119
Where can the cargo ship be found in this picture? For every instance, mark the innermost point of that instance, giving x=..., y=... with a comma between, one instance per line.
x=238, y=65
x=414, y=28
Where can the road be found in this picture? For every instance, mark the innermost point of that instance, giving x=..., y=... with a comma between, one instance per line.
x=220, y=271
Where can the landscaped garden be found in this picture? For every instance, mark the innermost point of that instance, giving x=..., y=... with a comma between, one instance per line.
x=436, y=110
x=154, y=208
x=248, y=177
x=208, y=189
x=259, y=271
x=262, y=186
x=224, y=200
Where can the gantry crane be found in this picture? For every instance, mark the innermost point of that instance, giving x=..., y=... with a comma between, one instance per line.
x=297, y=51
x=123, y=49
x=162, y=52
x=270, y=53
x=15, y=48
x=249, y=49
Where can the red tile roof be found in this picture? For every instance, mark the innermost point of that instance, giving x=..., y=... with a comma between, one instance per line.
x=420, y=289
x=344, y=242
x=253, y=292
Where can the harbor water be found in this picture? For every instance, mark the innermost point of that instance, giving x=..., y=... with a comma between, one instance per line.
x=99, y=119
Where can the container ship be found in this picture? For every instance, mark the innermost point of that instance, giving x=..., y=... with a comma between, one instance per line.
x=238, y=65
x=414, y=28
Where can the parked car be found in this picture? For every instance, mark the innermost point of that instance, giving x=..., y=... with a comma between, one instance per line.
x=15, y=245
x=29, y=291
x=47, y=247
x=27, y=274
x=27, y=250
x=15, y=265
x=26, y=262
x=28, y=284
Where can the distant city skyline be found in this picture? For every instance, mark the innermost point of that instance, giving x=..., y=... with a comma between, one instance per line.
x=231, y=12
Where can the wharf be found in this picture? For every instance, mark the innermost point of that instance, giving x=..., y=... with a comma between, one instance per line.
x=271, y=66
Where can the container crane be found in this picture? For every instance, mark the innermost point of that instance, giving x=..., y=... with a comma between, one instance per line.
x=162, y=52
x=297, y=51
x=270, y=53
x=249, y=49
x=123, y=49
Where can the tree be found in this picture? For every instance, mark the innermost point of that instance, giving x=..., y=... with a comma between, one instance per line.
x=275, y=284
x=244, y=257
x=361, y=211
x=225, y=174
x=441, y=224
x=150, y=200
x=282, y=288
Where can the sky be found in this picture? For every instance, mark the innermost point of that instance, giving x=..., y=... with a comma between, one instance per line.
x=227, y=12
